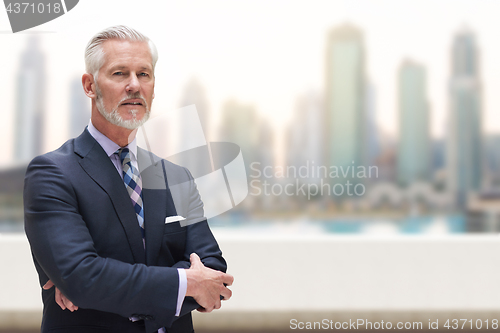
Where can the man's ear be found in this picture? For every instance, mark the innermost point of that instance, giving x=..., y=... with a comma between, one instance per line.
x=89, y=85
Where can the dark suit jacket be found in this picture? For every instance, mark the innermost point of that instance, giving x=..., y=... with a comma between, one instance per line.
x=84, y=236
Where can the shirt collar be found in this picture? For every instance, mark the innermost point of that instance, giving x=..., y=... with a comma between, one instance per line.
x=107, y=144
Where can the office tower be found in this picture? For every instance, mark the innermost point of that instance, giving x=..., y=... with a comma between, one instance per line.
x=373, y=144
x=265, y=153
x=414, y=151
x=305, y=133
x=464, y=152
x=240, y=125
x=492, y=160
x=30, y=103
x=194, y=93
x=345, y=119
x=79, y=108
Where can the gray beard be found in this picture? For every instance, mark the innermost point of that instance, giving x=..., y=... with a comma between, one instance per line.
x=115, y=118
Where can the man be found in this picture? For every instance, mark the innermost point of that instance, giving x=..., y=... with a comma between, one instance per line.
x=108, y=237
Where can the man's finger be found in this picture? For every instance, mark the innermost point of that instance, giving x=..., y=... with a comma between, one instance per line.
x=226, y=294
x=48, y=285
x=69, y=305
x=195, y=260
x=207, y=310
x=227, y=279
x=64, y=302
x=59, y=300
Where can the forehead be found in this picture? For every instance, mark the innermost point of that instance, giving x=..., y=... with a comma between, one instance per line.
x=126, y=53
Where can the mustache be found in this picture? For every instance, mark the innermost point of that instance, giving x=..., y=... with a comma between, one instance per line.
x=136, y=95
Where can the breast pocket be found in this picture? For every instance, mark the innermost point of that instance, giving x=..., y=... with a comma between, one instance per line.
x=174, y=241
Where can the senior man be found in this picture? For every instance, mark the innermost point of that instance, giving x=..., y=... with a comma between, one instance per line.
x=103, y=224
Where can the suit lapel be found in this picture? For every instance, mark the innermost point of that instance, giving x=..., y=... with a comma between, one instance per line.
x=157, y=200
x=98, y=166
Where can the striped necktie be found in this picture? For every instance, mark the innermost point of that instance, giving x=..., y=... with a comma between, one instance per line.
x=133, y=183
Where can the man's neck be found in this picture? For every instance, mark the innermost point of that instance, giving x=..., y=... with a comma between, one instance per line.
x=119, y=135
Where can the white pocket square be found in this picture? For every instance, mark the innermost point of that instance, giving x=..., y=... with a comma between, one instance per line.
x=170, y=219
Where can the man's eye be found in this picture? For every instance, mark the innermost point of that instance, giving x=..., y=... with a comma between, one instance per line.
x=118, y=73
x=144, y=74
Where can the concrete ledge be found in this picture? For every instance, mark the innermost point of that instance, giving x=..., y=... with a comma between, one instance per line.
x=280, y=320
x=256, y=321
x=311, y=278
x=20, y=319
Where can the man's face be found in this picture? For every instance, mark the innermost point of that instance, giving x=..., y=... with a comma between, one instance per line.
x=125, y=84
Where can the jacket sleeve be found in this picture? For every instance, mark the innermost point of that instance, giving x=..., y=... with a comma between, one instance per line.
x=63, y=248
x=200, y=239
x=199, y=236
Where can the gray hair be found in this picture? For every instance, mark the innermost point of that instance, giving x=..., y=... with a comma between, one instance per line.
x=94, y=54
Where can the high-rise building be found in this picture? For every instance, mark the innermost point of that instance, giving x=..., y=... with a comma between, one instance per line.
x=492, y=160
x=464, y=151
x=195, y=93
x=79, y=108
x=304, y=135
x=240, y=125
x=345, y=119
x=372, y=137
x=30, y=103
x=265, y=153
x=414, y=151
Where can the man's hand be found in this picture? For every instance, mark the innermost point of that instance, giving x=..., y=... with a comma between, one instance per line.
x=206, y=285
x=61, y=300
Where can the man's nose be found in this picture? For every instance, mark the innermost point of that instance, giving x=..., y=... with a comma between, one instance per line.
x=133, y=84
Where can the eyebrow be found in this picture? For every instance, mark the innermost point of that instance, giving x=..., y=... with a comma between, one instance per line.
x=124, y=67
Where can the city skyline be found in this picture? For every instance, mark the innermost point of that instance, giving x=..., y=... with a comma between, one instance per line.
x=269, y=65
x=194, y=90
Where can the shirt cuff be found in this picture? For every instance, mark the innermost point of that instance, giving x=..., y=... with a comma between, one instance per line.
x=182, y=290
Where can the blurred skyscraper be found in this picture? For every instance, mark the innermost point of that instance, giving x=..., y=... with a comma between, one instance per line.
x=240, y=125
x=373, y=144
x=492, y=150
x=414, y=150
x=345, y=129
x=30, y=103
x=438, y=154
x=79, y=108
x=305, y=139
x=195, y=93
x=265, y=153
x=464, y=152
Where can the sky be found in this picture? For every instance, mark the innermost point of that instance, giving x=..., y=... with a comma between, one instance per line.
x=263, y=53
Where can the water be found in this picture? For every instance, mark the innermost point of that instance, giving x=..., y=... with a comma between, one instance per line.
x=453, y=224
x=240, y=222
